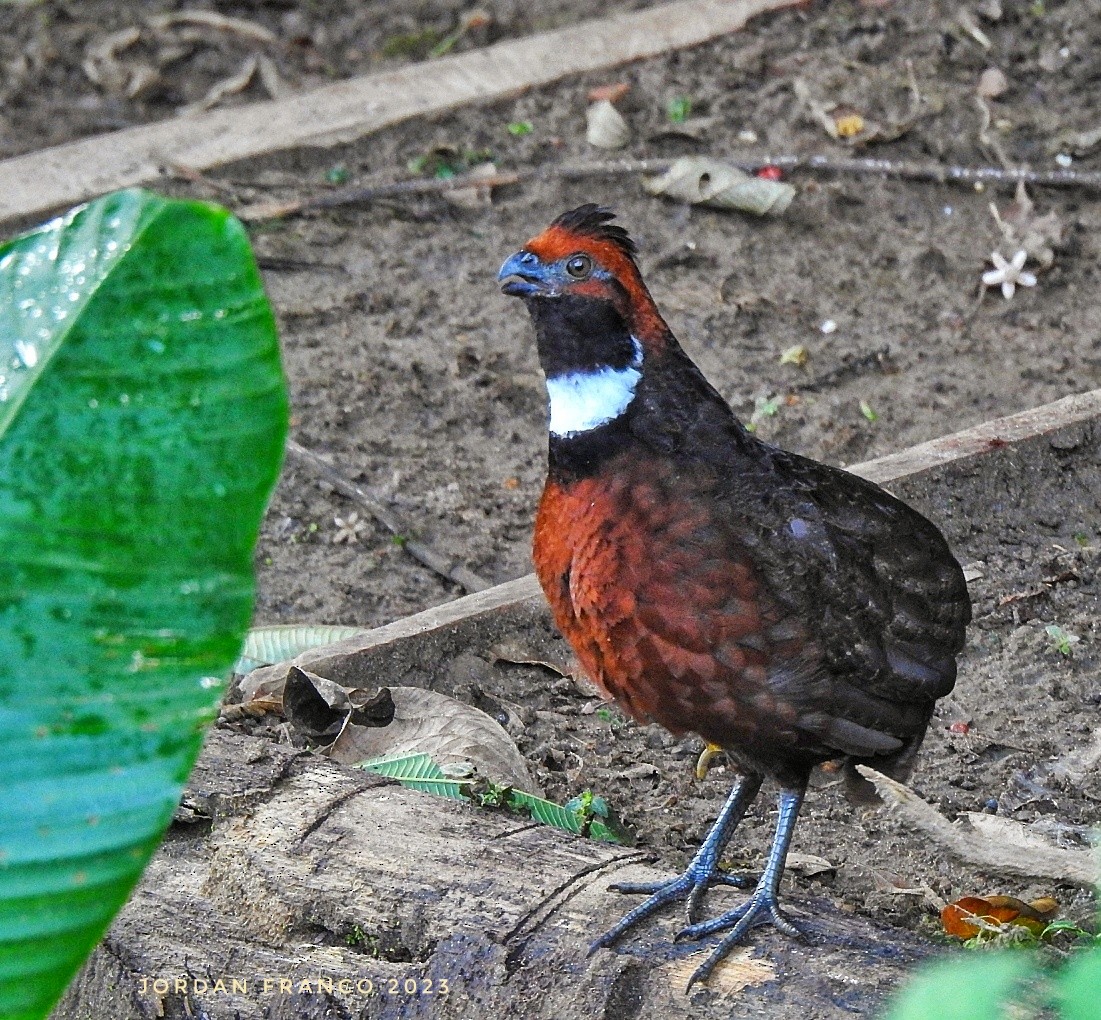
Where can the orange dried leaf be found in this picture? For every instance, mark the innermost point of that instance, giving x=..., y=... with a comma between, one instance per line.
x=1046, y=908
x=963, y=917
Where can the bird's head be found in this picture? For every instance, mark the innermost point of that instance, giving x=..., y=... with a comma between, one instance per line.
x=582, y=267
x=595, y=322
x=609, y=358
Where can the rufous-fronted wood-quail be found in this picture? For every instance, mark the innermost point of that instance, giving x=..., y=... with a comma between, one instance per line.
x=783, y=609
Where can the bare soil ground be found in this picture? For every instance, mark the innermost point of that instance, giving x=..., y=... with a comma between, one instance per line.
x=419, y=381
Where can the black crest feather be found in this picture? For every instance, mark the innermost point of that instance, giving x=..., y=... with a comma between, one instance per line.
x=593, y=220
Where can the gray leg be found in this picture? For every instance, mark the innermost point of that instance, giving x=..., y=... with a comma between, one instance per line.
x=763, y=905
x=698, y=875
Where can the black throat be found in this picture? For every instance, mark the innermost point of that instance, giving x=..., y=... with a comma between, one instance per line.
x=579, y=334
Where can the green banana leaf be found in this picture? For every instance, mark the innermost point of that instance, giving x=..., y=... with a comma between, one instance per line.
x=142, y=419
x=282, y=641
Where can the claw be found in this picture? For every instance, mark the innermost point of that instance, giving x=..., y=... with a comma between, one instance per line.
x=702, y=872
x=691, y=886
x=762, y=907
x=744, y=917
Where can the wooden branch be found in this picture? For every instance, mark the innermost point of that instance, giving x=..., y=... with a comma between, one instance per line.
x=347, y=110
x=984, y=438
x=1002, y=845
x=410, y=650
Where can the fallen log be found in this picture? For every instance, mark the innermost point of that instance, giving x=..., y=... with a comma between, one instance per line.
x=298, y=888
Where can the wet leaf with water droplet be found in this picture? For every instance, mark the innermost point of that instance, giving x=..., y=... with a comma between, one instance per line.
x=122, y=588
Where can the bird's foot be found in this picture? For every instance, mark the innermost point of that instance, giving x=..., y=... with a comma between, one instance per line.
x=761, y=908
x=691, y=886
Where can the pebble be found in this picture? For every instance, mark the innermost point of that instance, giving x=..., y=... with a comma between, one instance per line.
x=992, y=83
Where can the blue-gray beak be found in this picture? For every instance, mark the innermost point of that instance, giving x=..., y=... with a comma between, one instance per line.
x=524, y=275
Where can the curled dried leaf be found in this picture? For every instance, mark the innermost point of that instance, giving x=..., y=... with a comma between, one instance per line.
x=442, y=727
x=700, y=180
x=606, y=128
x=970, y=915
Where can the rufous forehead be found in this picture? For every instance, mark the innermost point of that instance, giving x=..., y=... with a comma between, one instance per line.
x=558, y=243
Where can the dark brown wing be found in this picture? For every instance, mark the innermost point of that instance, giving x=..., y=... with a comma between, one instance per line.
x=788, y=610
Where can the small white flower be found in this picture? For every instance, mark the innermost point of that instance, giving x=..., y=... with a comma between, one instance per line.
x=1009, y=274
x=349, y=528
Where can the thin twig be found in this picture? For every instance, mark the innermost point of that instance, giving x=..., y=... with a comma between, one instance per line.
x=853, y=367
x=852, y=166
x=431, y=558
x=360, y=195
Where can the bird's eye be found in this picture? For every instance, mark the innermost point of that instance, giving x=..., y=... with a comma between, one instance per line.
x=579, y=266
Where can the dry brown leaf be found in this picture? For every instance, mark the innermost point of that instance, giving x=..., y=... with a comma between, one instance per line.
x=808, y=865
x=517, y=655
x=321, y=710
x=447, y=730
x=847, y=124
x=969, y=915
x=701, y=180
x=263, y=690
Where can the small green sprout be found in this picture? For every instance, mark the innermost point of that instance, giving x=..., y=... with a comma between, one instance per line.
x=494, y=795
x=337, y=174
x=519, y=128
x=1061, y=639
x=678, y=109
x=763, y=407
x=356, y=936
x=868, y=411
